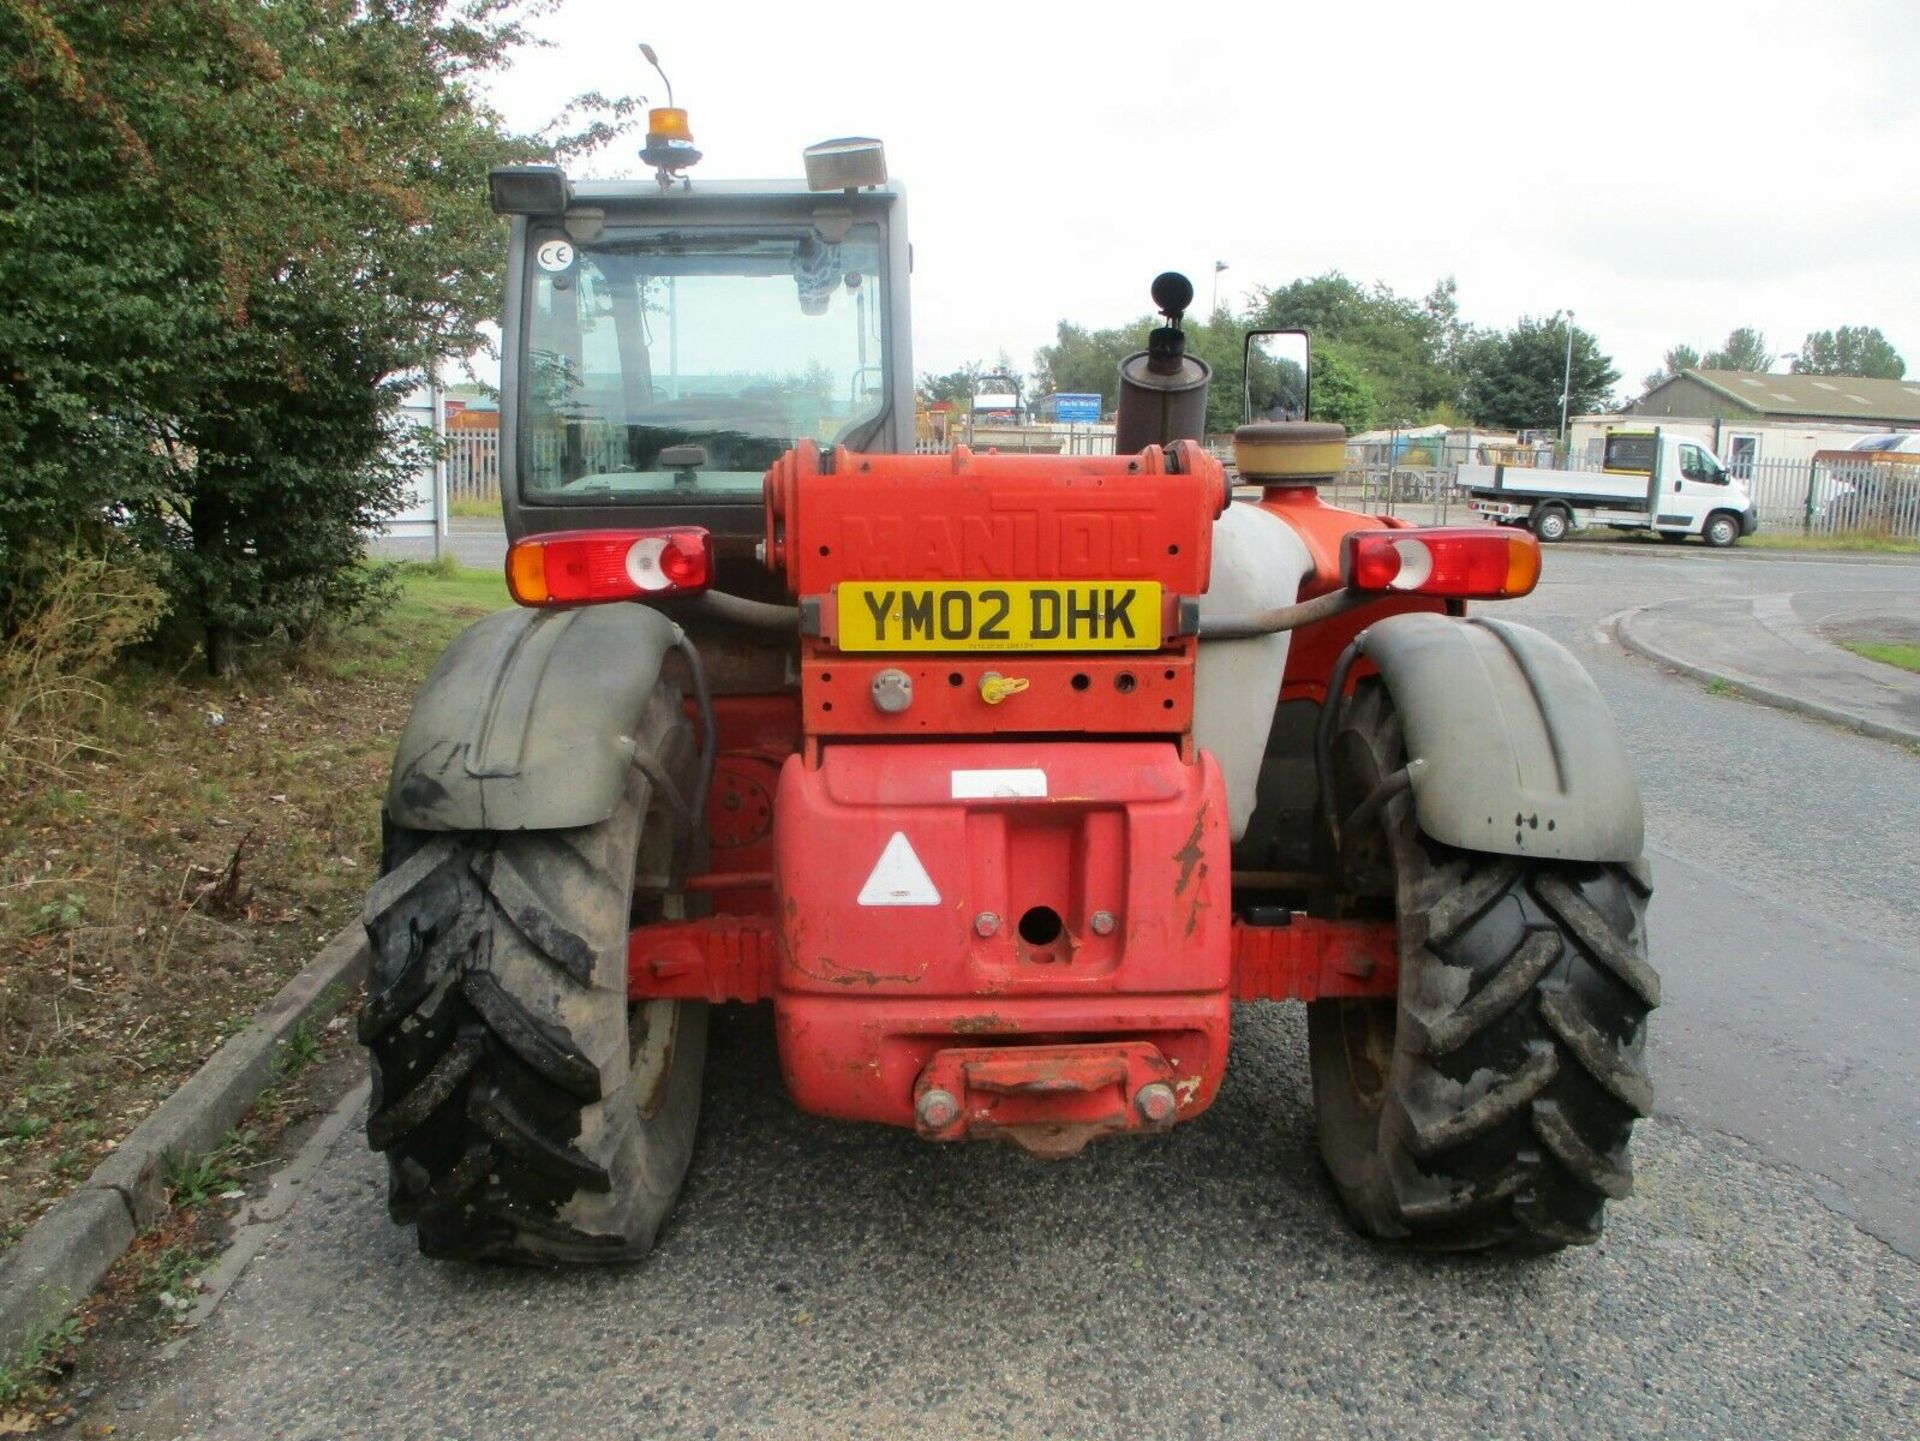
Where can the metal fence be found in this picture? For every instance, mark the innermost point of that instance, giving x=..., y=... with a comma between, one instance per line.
x=1032, y=438
x=1417, y=476
x=1836, y=497
x=1812, y=497
x=473, y=465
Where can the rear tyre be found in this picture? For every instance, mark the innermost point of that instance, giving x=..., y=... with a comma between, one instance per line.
x=1722, y=530
x=527, y=1112
x=1551, y=523
x=1491, y=1104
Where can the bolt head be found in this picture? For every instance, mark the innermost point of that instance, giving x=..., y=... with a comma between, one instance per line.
x=936, y=1109
x=986, y=923
x=1155, y=1102
x=1103, y=923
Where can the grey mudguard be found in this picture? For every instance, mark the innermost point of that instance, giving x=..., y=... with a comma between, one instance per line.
x=526, y=722
x=1511, y=748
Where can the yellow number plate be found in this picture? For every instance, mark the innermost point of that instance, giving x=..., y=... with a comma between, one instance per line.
x=1000, y=615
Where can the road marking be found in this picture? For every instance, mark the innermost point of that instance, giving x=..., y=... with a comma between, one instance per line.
x=1609, y=624
x=898, y=878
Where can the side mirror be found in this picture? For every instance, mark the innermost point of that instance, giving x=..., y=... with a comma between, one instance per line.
x=1278, y=371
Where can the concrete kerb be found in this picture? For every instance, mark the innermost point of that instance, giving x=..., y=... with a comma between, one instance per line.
x=64, y=1255
x=1753, y=690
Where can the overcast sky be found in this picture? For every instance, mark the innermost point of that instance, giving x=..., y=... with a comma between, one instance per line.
x=1667, y=169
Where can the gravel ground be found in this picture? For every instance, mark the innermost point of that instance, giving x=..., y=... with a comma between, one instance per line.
x=823, y=1280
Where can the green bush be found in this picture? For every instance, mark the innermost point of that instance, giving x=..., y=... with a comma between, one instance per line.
x=230, y=232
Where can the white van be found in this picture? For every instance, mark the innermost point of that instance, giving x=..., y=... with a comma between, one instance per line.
x=1647, y=481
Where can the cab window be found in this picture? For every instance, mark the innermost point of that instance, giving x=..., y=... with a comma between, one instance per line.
x=1696, y=464
x=715, y=350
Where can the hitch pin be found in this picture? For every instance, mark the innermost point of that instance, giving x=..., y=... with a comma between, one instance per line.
x=995, y=687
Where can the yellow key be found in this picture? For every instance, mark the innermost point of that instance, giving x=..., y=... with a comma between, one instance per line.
x=995, y=687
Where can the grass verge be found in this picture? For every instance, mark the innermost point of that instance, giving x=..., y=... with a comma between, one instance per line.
x=1862, y=544
x=1907, y=657
x=1857, y=544
x=170, y=876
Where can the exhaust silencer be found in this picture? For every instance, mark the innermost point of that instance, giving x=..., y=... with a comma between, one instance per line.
x=1163, y=390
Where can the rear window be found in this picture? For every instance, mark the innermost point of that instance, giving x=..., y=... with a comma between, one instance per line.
x=1630, y=452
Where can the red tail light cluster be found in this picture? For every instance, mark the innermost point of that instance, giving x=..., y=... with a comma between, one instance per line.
x=579, y=567
x=1463, y=562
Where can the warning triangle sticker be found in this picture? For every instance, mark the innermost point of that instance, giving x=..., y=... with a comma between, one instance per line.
x=898, y=878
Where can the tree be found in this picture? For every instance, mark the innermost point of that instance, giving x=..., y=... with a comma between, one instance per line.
x=1513, y=377
x=955, y=387
x=1398, y=345
x=1085, y=361
x=230, y=231
x=1859, y=350
x=1339, y=392
x=1746, y=349
x=1677, y=359
x=1442, y=306
x=1082, y=361
x=1221, y=342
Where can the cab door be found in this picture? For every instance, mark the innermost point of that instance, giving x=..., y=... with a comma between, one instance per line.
x=1701, y=487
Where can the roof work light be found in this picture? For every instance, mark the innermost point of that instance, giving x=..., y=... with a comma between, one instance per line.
x=850, y=163
x=529, y=190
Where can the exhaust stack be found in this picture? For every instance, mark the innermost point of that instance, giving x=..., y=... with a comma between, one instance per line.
x=1163, y=390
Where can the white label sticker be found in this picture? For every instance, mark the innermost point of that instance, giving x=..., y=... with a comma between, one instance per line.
x=898, y=878
x=987, y=785
x=554, y=255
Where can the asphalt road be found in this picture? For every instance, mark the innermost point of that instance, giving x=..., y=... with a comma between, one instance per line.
x=824, y=1280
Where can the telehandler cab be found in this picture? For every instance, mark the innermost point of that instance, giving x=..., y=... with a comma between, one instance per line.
x=1000, y=777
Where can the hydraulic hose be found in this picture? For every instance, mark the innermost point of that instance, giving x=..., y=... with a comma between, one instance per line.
x=710, y=736
x=1286, y=617
x=756, y=614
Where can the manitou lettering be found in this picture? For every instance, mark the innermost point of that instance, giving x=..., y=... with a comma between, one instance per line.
x=1011, y=616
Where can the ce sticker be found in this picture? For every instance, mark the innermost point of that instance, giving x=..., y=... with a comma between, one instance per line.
x=554, y=255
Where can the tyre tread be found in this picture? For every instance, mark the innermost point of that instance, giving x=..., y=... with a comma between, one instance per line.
x=496, y=1018
x=1519, y=1066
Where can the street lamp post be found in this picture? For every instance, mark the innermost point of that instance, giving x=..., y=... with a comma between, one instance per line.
x=1566, y=385
x=1218, y=266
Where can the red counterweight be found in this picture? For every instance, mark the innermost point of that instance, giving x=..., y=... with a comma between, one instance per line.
x=995, y=896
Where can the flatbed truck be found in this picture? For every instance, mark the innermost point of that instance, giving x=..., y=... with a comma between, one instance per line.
x=1647, y=480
